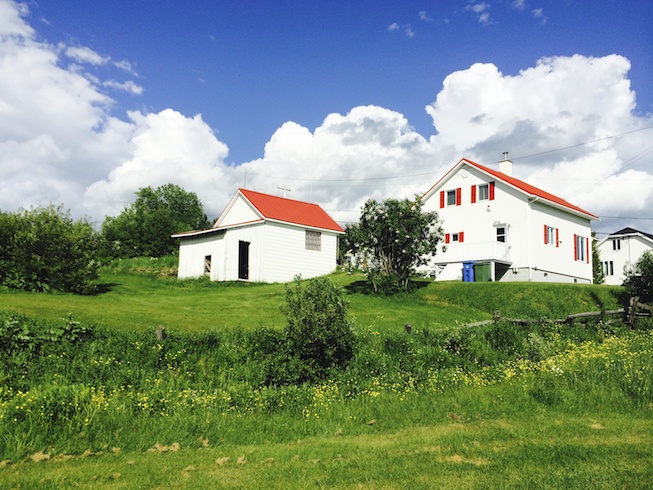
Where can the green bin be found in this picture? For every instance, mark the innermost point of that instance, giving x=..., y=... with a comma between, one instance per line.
x=482, y=272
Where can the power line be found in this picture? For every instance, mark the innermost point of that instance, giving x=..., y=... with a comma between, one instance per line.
x=392, y=177
x=583, y=144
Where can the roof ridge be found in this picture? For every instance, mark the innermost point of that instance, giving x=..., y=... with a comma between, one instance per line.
x=528, y=188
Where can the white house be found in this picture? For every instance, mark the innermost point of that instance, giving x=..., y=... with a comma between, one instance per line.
x=262, y=238
x=620, y=251
x=500, y=228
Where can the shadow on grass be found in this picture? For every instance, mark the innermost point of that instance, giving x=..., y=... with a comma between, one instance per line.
x=365, y=287
x=104, y=288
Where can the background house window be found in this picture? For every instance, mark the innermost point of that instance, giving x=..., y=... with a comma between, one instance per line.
x=501, y=234
x=616, y=244
x=313, y=240
x=207, y=264
x=608, y=268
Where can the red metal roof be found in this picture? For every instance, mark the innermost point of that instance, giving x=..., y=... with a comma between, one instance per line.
x=290, y=211
x=519, y=184
x=529, y=189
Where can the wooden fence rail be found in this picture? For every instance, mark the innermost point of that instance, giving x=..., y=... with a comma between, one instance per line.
x=629, y=315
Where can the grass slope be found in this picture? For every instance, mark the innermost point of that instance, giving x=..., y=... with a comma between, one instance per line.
x=140, y=301
x=543, y=406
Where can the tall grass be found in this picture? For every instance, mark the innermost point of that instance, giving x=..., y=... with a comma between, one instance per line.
x=125, y=389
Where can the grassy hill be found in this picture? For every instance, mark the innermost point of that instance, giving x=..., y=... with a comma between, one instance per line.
x=137, y=297
x=102, y=404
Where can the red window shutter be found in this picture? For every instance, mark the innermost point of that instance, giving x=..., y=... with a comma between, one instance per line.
x=557, y=239
x=459, y=198
x=546, y=235
x=587, y=250
x=461, y=236
x=491, y=191
x=575, y=247
x=473, y=194
x=441, y=199
x=447, y=238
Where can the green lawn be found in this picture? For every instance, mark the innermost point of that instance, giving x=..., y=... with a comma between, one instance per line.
x=447, y=406
x=143, y=301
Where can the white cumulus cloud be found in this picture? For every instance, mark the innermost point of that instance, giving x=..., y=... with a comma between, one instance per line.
x=60, y=142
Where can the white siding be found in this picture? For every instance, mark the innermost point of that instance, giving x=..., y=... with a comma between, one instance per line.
x=277, y=253
x=238, y=211
x=524, y=249
x=192, y=253
x=286, y=256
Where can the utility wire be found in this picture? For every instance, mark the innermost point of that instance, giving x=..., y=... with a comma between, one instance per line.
x=392, y=177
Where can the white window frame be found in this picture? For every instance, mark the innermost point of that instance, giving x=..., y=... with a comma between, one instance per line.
x=502, y=236
x=581, y=242
x=313, y=240
x=451, y=197
x=484, y=192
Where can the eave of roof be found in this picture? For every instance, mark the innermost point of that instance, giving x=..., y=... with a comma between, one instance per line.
x=630, y=231
x=528, y=189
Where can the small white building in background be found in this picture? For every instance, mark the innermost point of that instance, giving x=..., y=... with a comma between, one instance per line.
x=499, y=228
x=262, y=238
x=620, y=251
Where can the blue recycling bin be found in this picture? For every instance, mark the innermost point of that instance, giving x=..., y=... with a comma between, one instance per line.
x=468, y=271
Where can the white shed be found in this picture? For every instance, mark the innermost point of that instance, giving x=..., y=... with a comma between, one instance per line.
x=262, y=238
x=500, y=228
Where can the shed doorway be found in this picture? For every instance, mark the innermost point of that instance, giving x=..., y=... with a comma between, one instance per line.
x=243, y=260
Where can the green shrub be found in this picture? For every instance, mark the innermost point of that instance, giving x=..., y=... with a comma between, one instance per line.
x=318, y=335
x=44, y=249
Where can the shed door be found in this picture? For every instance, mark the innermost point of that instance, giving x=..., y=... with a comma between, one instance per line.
x=243, y=260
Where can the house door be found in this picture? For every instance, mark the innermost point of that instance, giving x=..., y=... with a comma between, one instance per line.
x=243, y=260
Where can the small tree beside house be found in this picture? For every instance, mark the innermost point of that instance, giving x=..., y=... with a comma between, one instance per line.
x=395, y=237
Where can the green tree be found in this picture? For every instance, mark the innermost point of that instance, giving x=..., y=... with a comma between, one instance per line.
x=598, y=277
x=639, y=279
x=393, y=237
x=44, y=248
x=145, y=226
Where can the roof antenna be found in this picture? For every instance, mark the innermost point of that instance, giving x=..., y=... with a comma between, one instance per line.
x=284, y=189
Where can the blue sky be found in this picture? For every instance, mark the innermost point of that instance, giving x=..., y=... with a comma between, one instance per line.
x=328, y=98
x=248, y=67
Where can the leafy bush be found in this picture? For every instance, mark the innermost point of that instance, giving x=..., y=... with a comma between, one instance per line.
x=45, y=249
x=318, y=335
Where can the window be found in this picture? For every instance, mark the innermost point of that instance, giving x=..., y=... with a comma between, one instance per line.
x=207, y=265
x=451, y=197
x=313, y=240
x=616, y=244
x=581, y=246
x=551, y=236
x=454, y=237
x=608, y=268
x=501, y=234
x=483, y=192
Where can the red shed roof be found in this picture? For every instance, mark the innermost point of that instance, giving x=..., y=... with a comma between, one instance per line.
x=290, y=211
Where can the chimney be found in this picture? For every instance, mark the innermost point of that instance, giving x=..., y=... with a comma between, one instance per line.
x=505, y=165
